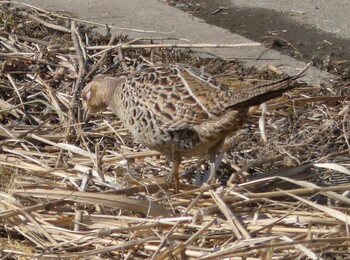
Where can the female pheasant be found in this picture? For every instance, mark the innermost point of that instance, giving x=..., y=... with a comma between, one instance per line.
x=179, y=110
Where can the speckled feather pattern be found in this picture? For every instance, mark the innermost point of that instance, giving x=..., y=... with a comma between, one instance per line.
x=178, y=110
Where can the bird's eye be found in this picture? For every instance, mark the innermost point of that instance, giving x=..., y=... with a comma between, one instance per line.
x=86, y=96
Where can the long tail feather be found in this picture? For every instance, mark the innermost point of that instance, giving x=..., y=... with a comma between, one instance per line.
x=257, y=95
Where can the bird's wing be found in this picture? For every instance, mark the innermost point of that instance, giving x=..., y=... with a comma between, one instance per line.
x=179, y=96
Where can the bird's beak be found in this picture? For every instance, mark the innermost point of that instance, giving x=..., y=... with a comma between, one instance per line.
x=86, y=116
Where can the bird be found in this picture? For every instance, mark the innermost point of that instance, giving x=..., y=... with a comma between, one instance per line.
x=179, y=110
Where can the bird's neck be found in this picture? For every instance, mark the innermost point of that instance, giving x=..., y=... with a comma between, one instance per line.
x=107, y=91
x=107, y=94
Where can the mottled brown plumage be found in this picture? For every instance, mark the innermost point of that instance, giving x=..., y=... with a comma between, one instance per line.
x=178, y=110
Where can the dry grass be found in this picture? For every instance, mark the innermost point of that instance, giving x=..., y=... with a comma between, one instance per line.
x=75, y=191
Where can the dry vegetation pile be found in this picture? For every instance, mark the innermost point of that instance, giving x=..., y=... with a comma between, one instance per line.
x=71, y=190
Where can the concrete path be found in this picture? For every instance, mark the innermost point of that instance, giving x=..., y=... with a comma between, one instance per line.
x=167, y=21
x=328, y=16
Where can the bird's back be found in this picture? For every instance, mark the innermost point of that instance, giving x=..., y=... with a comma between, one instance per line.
x=181, y=109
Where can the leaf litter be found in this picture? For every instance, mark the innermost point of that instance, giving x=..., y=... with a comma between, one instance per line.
x=71, y=190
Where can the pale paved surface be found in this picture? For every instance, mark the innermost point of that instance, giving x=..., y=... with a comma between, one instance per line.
x=327, y=15
x=171, y=22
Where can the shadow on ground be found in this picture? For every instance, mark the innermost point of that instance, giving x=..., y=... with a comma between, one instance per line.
x=277, y=30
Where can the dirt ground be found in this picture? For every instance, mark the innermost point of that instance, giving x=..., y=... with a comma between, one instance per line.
x=278, y=30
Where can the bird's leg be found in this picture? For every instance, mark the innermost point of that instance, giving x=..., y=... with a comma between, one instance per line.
x=176, y=160
x=174, y=174
x=169, y=177
x=176, y=164
x=212, y=160
x=212, y=156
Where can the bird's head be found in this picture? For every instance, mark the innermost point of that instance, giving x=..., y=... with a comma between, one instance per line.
x=96, y=95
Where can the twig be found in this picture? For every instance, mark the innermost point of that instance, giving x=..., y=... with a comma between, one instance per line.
x=77, y=86
x=288, y=43
x=39, y=206
x=218, y=10
x=82, y=21
x=16, y=89
x=251, y=165
x=53, y=97
x=79, y=213
x=26, y=39
x=78, y=49
x=122, y=59
x=79, y=52
x=238, y=230
x=99, y=160
x=172, y=45
x=180, y=248
x=162, y=244
x=110, y=45
x=100, y=61
x=46, y=24
x=300, y=191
